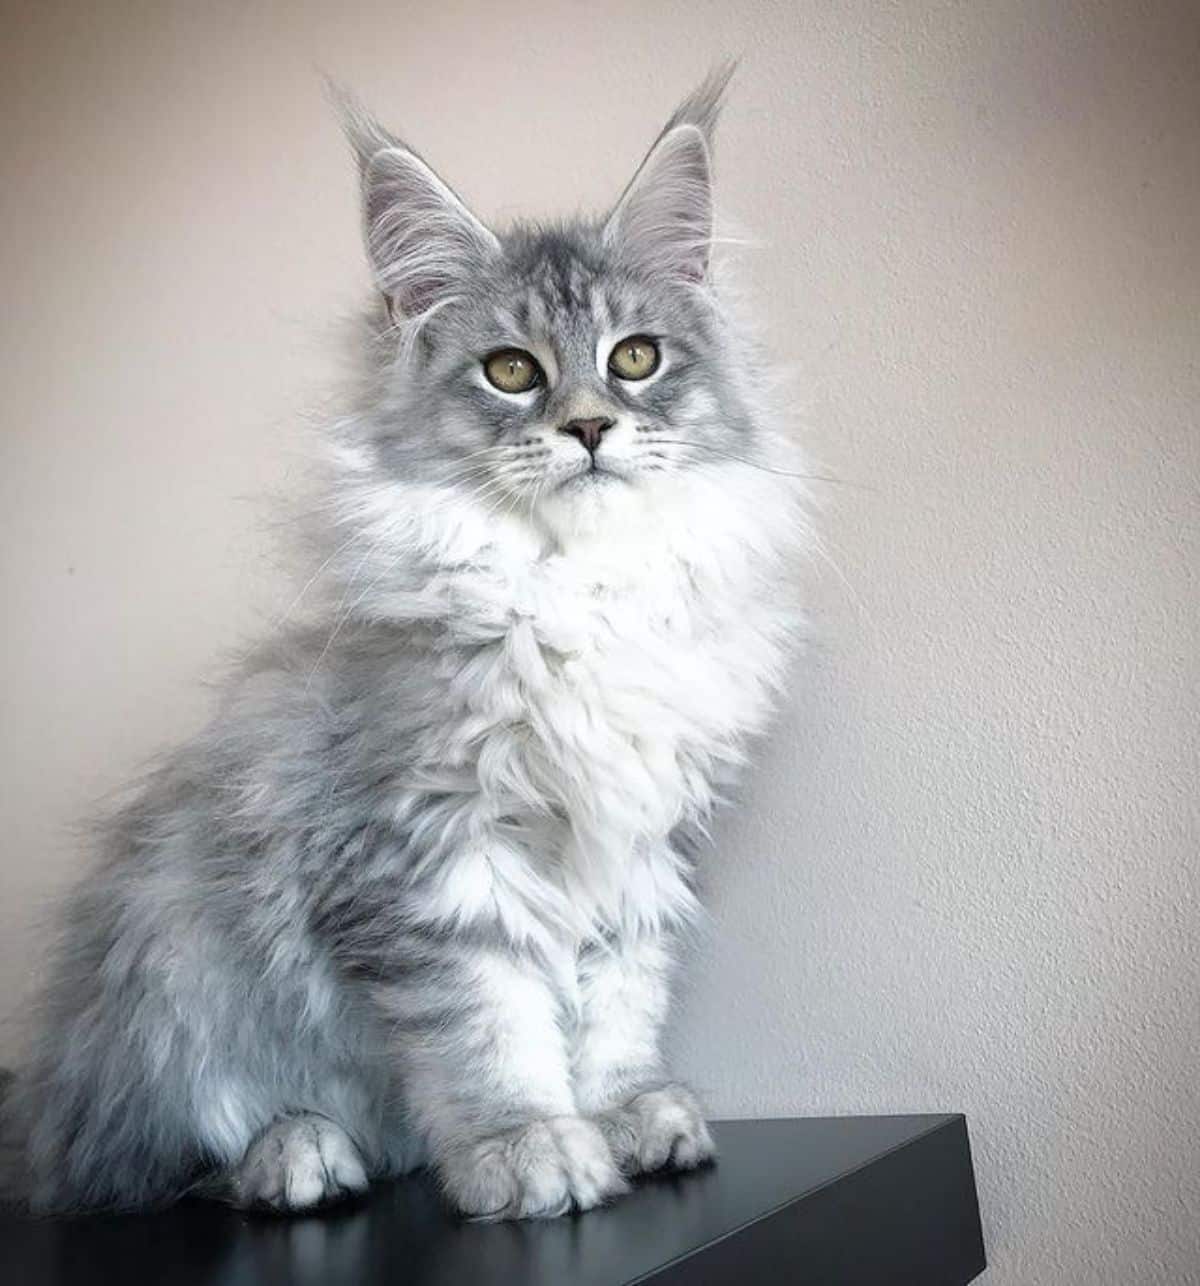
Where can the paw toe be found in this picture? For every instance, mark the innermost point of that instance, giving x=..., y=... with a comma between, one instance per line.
x=539, y=1171
x=299, y=1163
x=660, y=1129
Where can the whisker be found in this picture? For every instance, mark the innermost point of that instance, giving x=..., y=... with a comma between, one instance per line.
x=312, y=580
x=753, y=464
x=337, y=629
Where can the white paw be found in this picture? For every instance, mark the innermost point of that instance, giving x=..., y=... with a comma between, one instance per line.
x=658, y=1129
x=299, y=1162
x=540, y=1170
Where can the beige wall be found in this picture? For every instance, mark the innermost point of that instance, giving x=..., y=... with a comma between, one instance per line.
x=965, y=877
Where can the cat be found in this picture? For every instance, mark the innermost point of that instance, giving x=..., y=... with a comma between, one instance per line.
x=414, y=895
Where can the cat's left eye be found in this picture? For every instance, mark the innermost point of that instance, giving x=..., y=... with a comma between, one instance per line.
x=634, y=358
x=512, y=370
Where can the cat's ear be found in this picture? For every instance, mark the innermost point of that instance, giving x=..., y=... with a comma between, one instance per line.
x=422, y=241
x=663, y=222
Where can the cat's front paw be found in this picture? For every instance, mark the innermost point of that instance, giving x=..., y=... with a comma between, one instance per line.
x=298, y=1163
x=659, y=1129
x=540, y=1170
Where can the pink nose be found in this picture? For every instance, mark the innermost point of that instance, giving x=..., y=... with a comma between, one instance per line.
x=589, y=432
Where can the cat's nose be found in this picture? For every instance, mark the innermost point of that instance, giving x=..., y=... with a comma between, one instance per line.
x=589, y=432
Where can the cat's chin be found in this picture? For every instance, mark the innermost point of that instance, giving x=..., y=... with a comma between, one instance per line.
x=591, y=480
x=591, y=501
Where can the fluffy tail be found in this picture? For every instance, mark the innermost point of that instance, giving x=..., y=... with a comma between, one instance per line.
x=14, y=1177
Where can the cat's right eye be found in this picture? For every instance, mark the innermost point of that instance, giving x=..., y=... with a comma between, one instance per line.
x=512, y=370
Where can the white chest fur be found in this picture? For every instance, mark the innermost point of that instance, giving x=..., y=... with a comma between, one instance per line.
x=594, y=685
x=625, y=670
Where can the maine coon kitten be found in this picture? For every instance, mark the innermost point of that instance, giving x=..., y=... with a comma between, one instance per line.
x=412, y=895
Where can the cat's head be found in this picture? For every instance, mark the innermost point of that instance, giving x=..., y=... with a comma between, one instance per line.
x=545, y=369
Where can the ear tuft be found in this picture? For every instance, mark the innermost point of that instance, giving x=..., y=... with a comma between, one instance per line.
x=363, y=132
x=702, y=107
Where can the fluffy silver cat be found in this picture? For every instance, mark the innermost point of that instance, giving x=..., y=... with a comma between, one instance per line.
x=412, y=896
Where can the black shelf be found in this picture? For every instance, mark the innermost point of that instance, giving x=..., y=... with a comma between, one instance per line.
x=848, y=1201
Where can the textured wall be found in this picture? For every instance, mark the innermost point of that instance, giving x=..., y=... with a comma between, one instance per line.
x=965, y=875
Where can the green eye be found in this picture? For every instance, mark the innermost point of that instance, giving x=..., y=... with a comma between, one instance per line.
x=512, y=370
x=634, y=358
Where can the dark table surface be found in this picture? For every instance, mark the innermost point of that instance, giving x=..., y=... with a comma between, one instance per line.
x=402, y=1233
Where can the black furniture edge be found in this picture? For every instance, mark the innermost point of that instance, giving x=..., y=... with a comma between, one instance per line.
x=932, y=1237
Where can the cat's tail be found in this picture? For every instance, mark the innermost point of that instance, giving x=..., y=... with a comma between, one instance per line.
x=14, y=1172
x=56, y=1162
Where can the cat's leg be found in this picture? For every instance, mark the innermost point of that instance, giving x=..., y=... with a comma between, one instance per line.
x=487, y=1080
x=297, y=1163
x=649, y=1122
